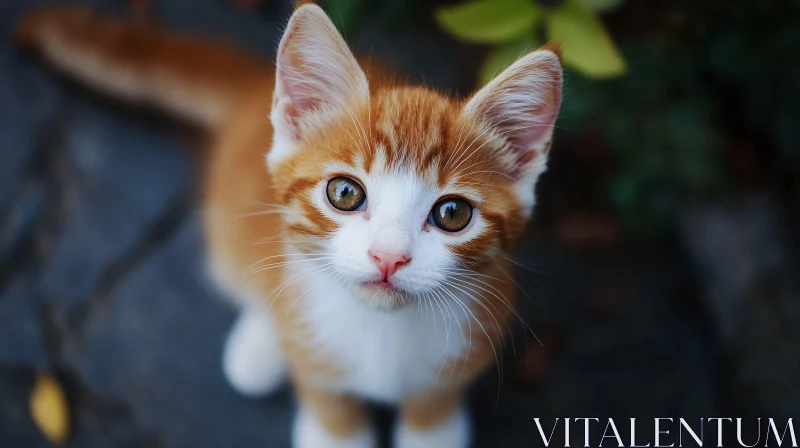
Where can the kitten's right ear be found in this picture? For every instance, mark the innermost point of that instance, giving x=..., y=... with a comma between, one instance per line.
x=316, y=73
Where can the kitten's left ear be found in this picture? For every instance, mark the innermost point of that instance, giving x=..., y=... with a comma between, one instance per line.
x=316, y=73
x=520, y=106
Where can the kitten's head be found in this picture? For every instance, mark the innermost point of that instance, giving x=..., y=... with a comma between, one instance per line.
x=402, y=192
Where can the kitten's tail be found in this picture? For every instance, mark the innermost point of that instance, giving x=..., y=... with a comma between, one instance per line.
x=195, y=79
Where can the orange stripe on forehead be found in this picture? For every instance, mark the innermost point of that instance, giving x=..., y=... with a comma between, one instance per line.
x=347, y=152
x=414, y=126
x=382, y=139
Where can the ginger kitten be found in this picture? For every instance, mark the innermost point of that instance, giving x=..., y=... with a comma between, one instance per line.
x=363, y=233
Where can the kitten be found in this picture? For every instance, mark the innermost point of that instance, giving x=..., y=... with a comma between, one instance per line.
x=364, y=233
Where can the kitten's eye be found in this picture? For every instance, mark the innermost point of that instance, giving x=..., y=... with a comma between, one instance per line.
x=451, y=214
x=346, y=194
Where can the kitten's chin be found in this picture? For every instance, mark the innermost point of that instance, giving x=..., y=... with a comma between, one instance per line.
x=382, y=298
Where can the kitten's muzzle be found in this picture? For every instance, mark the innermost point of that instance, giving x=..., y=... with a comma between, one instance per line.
x=388, y=262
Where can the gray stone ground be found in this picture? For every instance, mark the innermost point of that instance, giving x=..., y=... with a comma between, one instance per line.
x=101, y=281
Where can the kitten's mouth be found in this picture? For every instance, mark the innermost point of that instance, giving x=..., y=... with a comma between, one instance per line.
x=384, y=295
x=385, y=285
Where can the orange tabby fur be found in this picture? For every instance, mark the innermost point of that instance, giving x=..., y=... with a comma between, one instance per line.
x=232, y=94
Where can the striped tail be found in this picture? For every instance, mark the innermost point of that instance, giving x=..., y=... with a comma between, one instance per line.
x=195, y=79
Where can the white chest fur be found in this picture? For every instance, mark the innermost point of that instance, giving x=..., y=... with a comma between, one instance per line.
x=385, y=355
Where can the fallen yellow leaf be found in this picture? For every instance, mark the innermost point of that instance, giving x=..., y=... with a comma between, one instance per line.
x=48, y=407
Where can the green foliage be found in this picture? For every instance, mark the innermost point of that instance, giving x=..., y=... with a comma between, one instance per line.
x=701, y=80
x=668, y=147
x=603, y=5
x=503, y=55
x=586, y=45
x=489, y=21
x=512, y=25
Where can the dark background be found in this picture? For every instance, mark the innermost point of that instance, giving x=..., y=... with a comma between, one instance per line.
x=661, y=268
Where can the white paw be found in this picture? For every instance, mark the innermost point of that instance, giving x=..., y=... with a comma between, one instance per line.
x=309, y=433
x=452, y=433
x=253, y=362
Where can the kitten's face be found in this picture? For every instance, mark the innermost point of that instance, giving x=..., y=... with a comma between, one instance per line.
x=405, y=180
x=401, y=193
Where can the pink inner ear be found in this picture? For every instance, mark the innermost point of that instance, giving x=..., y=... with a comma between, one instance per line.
x=532, y=126
x=299, y=83
x=522, y=105
x=315, y=70
x=545, y=115
x=531, y=109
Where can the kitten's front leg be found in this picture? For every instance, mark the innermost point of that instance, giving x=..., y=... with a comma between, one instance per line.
x=253, y=361
x=434, y=420
x=331, y=420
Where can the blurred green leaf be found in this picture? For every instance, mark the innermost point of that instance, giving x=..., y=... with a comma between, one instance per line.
x=489, y=21
x=699, y=94
x=603, y=5
x=504, y=55
x=586, y=45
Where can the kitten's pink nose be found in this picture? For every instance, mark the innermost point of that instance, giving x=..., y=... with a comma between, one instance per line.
x=388, y=262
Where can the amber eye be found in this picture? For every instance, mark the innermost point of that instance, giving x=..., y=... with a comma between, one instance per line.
x=451, y=214
x=346, y=194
